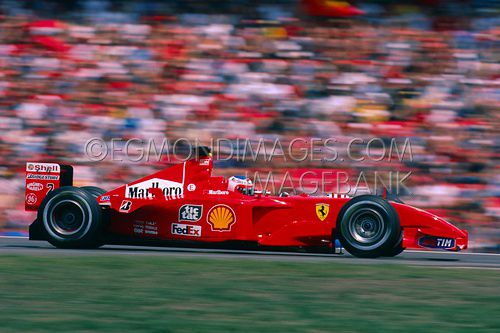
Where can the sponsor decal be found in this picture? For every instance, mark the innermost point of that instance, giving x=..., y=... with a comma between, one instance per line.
x=42, y=177
x=218, y=192
x=125, y=206
x=145, y=228
x=191, y=187
x=170, y=189
x=322, y=211
x=31, y=199
x=238, y=180
x=186, y=230
x=190, y=213
x=221, y=218
x=436, y=242
x=205, y=161
x=337, y=196
x=34, y=186
x=43, y=167
x=104, y=198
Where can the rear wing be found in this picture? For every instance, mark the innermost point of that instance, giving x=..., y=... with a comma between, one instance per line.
x=41, y=178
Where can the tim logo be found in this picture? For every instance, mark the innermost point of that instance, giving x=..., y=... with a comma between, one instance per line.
x=190, y=213
x=436, y=242
x=445, y=242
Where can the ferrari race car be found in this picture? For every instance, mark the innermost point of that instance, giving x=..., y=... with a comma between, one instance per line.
x=185, y=204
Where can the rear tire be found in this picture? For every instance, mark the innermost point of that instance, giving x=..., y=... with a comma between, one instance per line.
x=71, y=218
x=97, y=192
x=368, y=226
x=94, y=190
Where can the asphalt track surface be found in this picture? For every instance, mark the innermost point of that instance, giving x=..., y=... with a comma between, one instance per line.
x=23, y=246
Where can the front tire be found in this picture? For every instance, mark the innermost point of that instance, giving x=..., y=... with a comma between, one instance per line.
x=368, y=226
x=71, y=218
x=397, y=249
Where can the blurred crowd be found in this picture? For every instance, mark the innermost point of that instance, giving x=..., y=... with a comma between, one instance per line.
x=256, y=70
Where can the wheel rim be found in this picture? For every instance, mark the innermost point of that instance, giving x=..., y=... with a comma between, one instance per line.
x=366, y=226
x=67, y=217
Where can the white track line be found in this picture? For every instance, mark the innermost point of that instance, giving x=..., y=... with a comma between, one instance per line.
x=413, y=251
x=459, y=253
x=466, y=267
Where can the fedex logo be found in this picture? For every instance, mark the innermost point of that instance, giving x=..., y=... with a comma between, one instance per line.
x=186, y=230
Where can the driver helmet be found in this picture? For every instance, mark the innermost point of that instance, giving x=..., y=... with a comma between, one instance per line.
x=240, y=183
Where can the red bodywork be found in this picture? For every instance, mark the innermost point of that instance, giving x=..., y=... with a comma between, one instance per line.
x=185, y=202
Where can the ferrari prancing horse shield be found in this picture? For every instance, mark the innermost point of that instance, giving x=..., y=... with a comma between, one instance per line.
x=322, y=210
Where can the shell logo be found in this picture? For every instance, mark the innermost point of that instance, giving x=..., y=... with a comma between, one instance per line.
x=221, y=218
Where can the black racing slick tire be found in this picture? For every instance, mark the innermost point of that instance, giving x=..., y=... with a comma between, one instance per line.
x=71, y=218
x=94, y=190
x=394, y=251
x=368, y=226
x=97, y=192
x=397, y=249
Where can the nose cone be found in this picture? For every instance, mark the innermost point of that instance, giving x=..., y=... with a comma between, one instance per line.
x=445, y=226
x=418, y=223
x=442, y=230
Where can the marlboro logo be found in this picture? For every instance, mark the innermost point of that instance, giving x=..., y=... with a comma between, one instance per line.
x=170, y=189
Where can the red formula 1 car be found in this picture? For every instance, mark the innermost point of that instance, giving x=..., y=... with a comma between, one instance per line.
x=184, y=204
